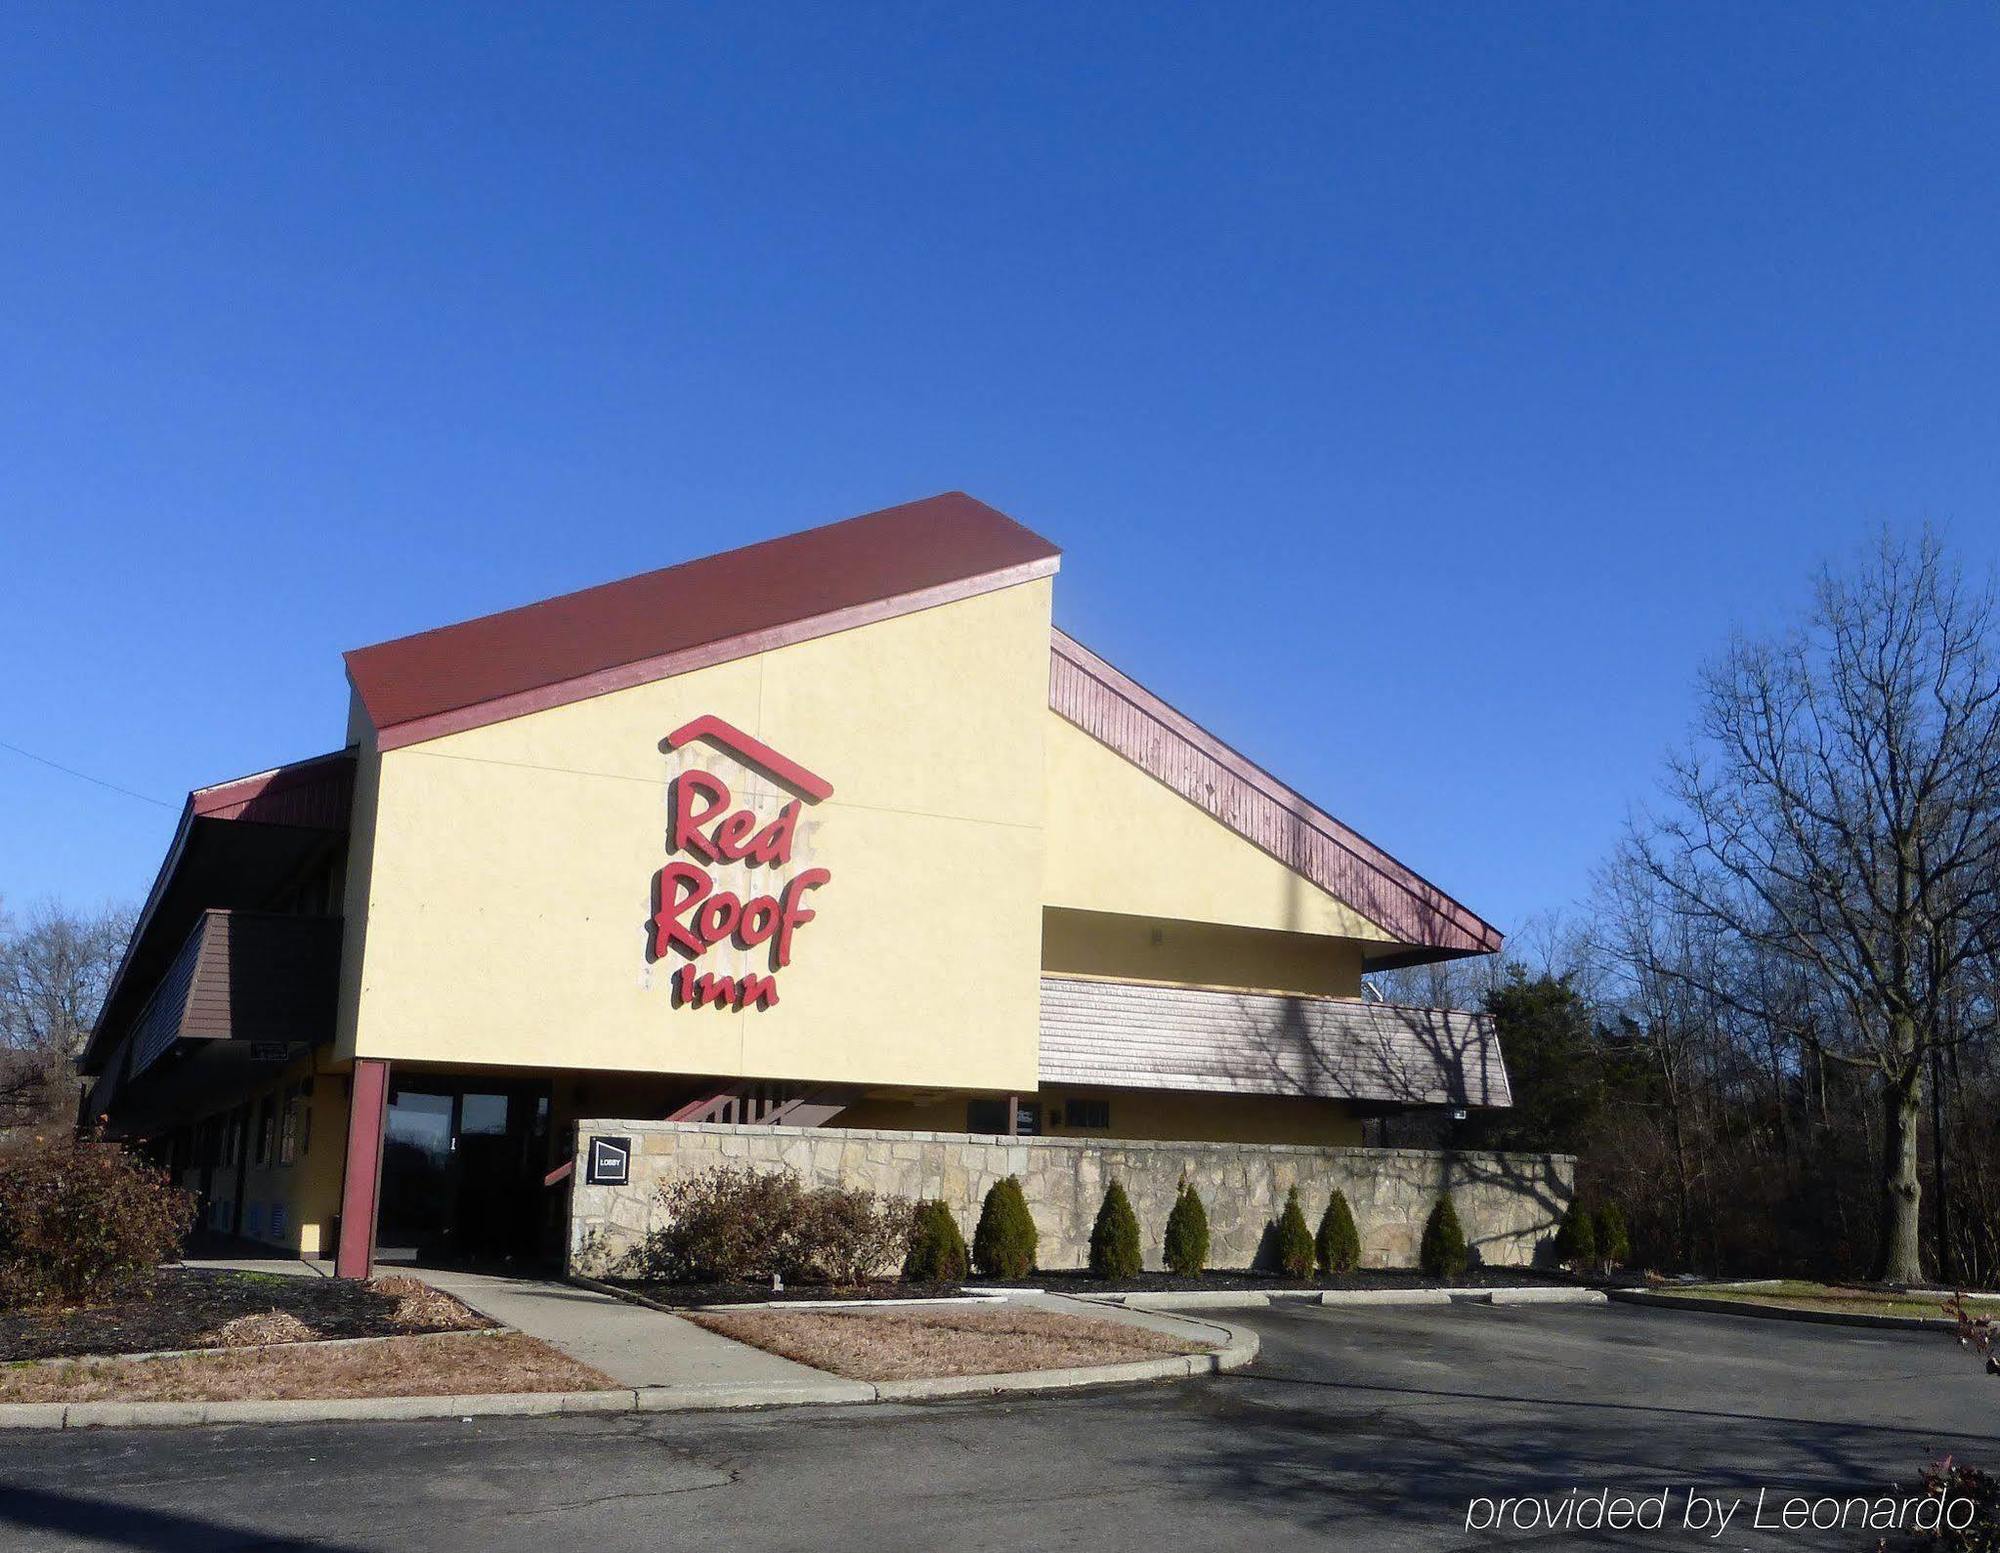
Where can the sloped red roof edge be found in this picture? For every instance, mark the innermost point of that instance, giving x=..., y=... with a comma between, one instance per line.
x=1172, y=748
x=306, y=791
x=709, y=610
x=238, y=797
x=645, y=671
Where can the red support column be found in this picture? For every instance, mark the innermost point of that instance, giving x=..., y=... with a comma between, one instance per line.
x=361, y=1190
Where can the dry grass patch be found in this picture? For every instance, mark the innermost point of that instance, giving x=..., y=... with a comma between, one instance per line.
x=1798, y=1294
x=450, y=1365
x=917, y=1344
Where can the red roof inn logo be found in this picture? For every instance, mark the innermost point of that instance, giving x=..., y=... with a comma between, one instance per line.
x=691, y=916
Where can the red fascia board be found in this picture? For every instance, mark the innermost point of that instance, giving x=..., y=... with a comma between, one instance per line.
x=755, y=751
x=1427, y=917
x=712, y=610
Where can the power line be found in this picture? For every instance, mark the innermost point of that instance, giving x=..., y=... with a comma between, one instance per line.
x=56, y=765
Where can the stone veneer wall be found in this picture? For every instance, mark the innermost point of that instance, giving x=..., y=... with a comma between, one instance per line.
x=1508, y=1203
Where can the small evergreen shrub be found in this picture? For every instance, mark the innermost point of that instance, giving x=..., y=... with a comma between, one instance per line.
x=1295, y=1241
x=937, y=1247
x=82, y=1221
x=1003, y=1244
x=1443, y=1252
x=1187, y=1233
x=1114, y=1238
x=1338, y=1242
x=1576, y=1238
x=1614, y=1245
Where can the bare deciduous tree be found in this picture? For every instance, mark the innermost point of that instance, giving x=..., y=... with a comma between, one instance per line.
x=55, y=967
x=1839, y=810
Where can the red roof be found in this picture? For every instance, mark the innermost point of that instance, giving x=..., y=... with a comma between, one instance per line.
x=317, y=792
x=689, y=616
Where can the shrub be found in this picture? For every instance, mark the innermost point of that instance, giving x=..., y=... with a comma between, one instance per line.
x=848, y=1235
x=1338, y=1242
x=1951, y=1482
x=733, y=1224
x=1614, y=1245
x=1443, y=1253
x=729, y=1224
x=937, y=1248
x=1295, y=1241
x=1114, y=1238
x=1003, y=1245
x=82, y=1221
x=1576, y=1238
x=1187, y=1233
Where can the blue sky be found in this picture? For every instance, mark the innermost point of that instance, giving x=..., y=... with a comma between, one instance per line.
x=1419, y=392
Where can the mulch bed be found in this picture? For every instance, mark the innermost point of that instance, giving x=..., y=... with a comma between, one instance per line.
x=688, y=1295
x=186, y=1305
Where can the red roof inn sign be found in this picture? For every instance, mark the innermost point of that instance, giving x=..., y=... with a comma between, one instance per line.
x=691, y=916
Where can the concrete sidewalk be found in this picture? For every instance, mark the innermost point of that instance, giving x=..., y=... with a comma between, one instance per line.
x=633, y=1344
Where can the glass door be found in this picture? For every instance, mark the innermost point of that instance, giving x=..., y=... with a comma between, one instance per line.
x=461, y=1171
x=416, y=1172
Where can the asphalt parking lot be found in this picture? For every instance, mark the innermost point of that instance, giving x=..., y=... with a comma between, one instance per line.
x=1367, y=1429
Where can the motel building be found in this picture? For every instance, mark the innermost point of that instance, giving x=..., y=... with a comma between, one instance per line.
x=833, y=836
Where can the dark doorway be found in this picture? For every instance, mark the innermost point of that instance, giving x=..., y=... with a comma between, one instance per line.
x=462, y=1166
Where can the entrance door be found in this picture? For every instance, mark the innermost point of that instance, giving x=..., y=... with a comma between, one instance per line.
x=461, y=1170
x=416, y=1172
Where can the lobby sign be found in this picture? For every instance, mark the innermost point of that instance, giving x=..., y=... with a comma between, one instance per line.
x=609, y=1162
x=709, y=830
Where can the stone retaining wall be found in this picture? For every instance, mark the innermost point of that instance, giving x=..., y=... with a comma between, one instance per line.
x=1508, y=1203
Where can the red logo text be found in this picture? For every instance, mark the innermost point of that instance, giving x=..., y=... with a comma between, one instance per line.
x=691, y=914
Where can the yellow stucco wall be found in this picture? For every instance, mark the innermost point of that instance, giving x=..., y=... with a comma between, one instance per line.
x=1120, y=841
x=308, y=1188
x=1149, y=1114
x=1199, y=954
x=508, y=880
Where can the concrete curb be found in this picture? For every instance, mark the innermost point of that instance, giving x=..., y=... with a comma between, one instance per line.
x=1831, y=1318
x=1239, y=1349
x=1249, y=1299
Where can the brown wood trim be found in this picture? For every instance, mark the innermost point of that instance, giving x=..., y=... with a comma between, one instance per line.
x=1130, y=720
x=728, y=650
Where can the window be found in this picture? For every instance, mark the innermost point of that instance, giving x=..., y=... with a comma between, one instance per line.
x=482, y=1115
x=1086, y=1113
x=991, y=1116
x=288, y=1127
x=262, y=1157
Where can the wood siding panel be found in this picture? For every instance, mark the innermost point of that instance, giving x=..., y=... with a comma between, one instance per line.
x=1131, y=1036
x=241, y=975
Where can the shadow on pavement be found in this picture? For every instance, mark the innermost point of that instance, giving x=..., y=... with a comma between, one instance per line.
x=158, y=1531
